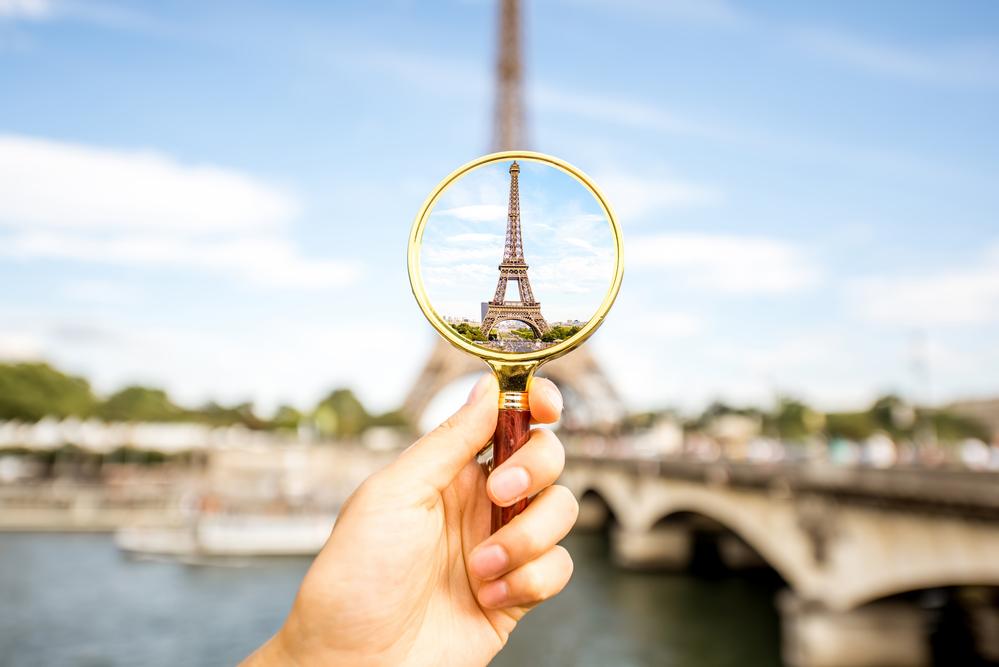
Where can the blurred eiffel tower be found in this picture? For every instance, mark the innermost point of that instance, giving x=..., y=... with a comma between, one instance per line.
x=590, y=400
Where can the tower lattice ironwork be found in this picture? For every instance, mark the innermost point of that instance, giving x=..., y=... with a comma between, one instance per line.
x=591, y=399
x=514, y=267
x=508, y=119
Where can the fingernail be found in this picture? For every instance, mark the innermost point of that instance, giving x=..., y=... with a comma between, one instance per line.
x=479, y=389
x=508, y=484
x=553, y=395
x=494, y=594
x=489, y=561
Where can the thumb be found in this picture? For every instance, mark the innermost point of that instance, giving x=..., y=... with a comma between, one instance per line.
x=439, y=456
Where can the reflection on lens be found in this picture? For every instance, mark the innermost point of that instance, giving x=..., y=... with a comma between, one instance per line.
x=508, y=212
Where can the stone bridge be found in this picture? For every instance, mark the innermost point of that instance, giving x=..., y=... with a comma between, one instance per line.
x=848, y=543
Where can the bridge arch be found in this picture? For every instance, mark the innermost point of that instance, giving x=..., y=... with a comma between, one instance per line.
x=769, y=529
x=595, y=513
x=895, y=581
x=513, y=318
x=731, y=520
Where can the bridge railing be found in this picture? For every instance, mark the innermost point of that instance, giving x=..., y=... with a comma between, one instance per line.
x=972, y=493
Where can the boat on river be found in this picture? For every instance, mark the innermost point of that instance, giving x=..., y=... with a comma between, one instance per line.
x=230, y=535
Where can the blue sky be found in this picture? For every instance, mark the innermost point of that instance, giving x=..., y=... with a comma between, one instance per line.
x=215, y=197
x=567, y=241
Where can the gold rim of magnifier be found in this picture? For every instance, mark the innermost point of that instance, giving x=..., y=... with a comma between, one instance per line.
x=452, y=336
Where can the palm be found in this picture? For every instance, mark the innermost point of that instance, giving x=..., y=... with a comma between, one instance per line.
x=423, y=609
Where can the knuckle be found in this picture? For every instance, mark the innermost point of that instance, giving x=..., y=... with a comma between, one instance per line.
x=454, y=429
x=550, y=450
x=535, y=584
x=564, y=504
x=530, y=542
x=565, y=557
x=554, y=388
x=562, y=496
x=448, y=425
x=546, y=435
x=374, y=486
x=557, y=452
x=574, y=511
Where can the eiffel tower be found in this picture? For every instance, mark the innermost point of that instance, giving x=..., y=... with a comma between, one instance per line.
x=514, y=267
x=586, y=388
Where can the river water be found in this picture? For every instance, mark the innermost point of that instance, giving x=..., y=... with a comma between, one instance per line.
x=73, y=600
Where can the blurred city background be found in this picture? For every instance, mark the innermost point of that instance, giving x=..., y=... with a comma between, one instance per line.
x=785, y=438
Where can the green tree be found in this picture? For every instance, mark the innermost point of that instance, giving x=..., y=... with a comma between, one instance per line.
x=468, y=331
x=31, y=391
x=133, y=404
x=718, y=409
x=560, y=332
x=854, y=426
x=214, y=414
x=341, y=415
x=794, y=421
x=287, y=418
x=950, y=427
x=893, y=415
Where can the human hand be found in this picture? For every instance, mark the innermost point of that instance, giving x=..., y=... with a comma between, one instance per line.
x=410, y=575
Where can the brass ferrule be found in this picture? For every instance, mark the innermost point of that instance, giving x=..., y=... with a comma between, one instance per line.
x=513, y=400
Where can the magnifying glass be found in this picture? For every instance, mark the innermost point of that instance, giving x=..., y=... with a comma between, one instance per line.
x=515, y=258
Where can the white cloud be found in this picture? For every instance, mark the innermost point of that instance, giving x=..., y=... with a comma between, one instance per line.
x=143, y=209
x=475, y=212
x=271, y=262
x=17, y=346
x=672, y=325
x=475, y=237
x=93, y=12
x=710, y=12
x=724, y=263
x=64, y=185
x=440, y=257
x=646, y=324
x=455, y=78
x=968, y=65
x=459, y=274
x=101, y=292
x=580, y=243
x=959, y=296
x=462, y=248
x=632, y=196
x=607, y=108
x=573, y=274
x=28, y=9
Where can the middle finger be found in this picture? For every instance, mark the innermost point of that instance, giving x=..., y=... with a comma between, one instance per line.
x=531, y=533
x=530, y=469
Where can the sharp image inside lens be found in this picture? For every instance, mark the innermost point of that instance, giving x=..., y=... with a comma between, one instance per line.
x=517, y=256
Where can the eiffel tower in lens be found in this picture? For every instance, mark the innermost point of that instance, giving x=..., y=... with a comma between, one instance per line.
x=591, y=401
x=514, y=267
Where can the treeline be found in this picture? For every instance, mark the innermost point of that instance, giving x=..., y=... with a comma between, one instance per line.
x=791, y=420
x=556, y=333
x=32, y=391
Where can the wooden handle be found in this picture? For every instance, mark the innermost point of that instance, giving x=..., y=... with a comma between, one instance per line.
x=513, y=428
